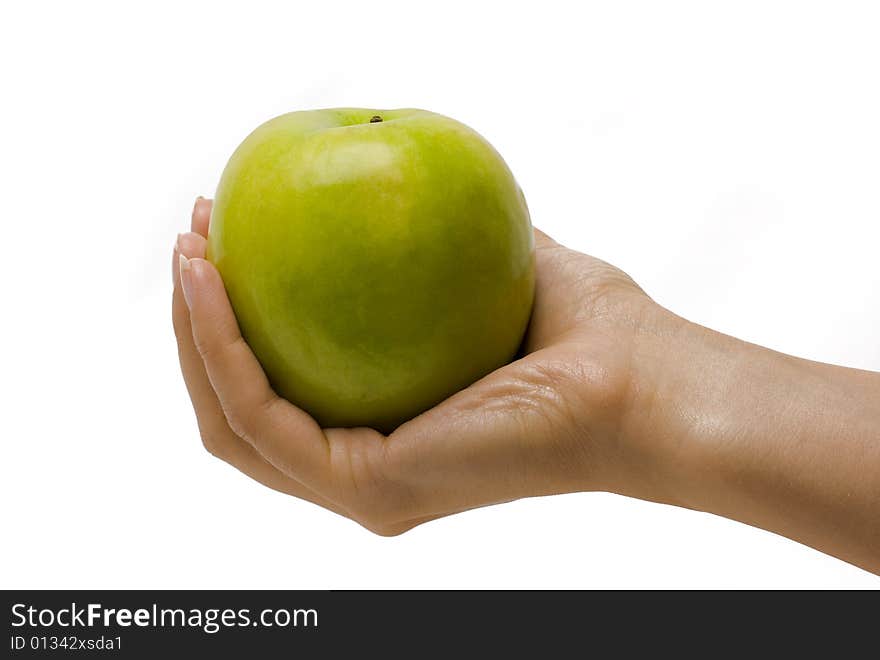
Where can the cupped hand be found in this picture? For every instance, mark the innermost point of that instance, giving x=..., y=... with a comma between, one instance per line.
x=550, y=422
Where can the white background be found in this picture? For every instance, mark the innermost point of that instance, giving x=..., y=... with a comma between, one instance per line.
x=727, y=155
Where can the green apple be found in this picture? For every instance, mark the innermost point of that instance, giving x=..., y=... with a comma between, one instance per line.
x=377, y=261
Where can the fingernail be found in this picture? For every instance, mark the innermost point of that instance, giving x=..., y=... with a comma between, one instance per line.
x=186, y=280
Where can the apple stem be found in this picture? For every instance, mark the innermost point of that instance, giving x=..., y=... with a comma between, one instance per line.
x=375, y=118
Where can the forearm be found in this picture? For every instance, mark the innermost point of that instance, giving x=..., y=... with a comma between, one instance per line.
x=785, y=444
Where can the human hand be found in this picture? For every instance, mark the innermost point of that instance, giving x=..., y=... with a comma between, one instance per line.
x=550, y=422
x=613, y=393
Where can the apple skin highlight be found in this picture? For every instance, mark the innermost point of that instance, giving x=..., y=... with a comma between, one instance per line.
x=375, y=267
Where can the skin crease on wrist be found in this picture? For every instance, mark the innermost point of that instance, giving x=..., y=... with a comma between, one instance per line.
x=613, y=393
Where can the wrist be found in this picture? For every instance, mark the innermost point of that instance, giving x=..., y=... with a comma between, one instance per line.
x=685, y=384
x=720, y=425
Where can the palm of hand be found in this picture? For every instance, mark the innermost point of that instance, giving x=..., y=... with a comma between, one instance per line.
x=540, y=425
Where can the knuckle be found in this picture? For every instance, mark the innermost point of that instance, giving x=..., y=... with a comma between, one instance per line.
x=211, y=444
x=372, y=489
x=206, y=347
x=212, y=342
x=240, y=422
x=246, y=419
x=214, y=347
x=399, y=463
